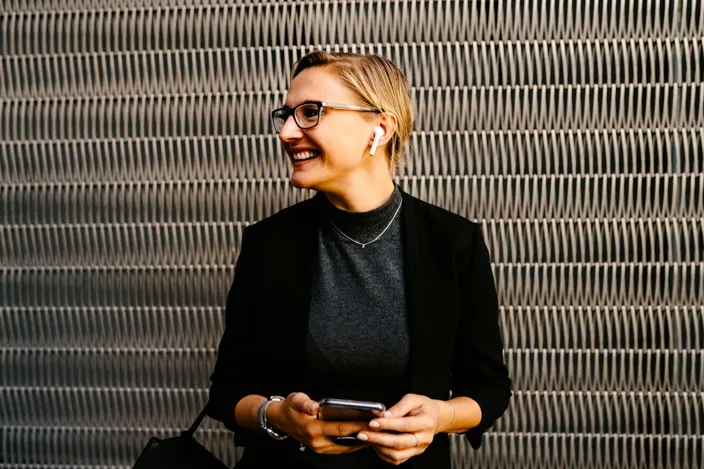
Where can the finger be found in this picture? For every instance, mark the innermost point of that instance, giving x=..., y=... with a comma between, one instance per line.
x=383, y=456
x=331, y=447
x=394, y=456
x=352, y=449
x=402, y=424
x=312, y=408
x=341, y=449
x=389, y=440
x=324, y=444
x=302, y=403
x=343, y=428
x=407, y=403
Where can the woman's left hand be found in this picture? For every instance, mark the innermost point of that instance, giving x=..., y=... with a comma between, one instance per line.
x=415, y=417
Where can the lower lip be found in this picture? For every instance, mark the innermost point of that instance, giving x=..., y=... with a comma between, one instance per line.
x=301, y=163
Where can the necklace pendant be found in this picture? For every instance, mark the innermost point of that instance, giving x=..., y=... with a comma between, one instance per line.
x=363, y=246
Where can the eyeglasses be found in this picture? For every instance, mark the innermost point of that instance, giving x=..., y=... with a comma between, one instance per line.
x=307, y=115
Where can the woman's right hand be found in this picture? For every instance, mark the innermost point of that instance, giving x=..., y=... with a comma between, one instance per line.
x=297, y=416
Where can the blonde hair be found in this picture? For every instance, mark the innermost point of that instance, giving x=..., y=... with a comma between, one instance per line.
x=378, y=83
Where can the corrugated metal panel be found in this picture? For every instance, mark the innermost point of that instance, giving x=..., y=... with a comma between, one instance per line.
x=136, y=147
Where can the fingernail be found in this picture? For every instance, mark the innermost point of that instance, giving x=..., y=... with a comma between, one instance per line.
x=387, y=414
x=362, y=436
x=374, y=424
x=310, y=408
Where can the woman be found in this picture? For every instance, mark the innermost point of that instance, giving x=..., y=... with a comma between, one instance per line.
x=361, y=292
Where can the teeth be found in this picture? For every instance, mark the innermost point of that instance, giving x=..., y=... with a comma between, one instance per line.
x=304, y=155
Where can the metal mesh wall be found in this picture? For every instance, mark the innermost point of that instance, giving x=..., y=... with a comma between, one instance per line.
x=135, y=146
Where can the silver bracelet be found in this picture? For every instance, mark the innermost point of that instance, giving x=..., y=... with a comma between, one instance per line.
x=261, y=416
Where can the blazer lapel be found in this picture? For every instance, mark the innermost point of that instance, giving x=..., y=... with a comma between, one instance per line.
x=298, y=255
x=418, y=293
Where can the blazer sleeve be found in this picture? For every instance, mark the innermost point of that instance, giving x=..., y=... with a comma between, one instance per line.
x=234, y=374
x=478, y=369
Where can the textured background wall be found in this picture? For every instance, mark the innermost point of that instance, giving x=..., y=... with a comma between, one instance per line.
x=135, y=146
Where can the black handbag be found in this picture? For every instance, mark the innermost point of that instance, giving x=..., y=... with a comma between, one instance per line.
x=179, y=452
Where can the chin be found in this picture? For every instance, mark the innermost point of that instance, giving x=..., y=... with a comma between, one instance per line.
x=301, y=181
x=317, y=179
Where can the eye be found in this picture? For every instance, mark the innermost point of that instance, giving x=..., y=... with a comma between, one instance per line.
x=309, y=112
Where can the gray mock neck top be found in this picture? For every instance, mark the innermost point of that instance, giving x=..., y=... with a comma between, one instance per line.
x=357, y=343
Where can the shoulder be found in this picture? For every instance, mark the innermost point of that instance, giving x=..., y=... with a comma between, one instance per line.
x=289, y=218
x=442, y=224
x=453, y=240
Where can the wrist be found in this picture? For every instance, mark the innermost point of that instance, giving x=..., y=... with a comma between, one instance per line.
x=263, y=417
x=274, y=414
x=446, y=416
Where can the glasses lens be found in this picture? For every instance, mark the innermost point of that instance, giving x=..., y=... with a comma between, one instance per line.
x=307, y=115
x=278, y=118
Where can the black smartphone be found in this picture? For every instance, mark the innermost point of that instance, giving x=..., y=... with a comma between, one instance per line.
x=346, y=410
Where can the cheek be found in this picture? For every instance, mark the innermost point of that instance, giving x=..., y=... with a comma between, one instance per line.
x=346, y=150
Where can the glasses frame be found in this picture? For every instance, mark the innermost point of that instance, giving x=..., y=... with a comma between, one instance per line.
x=321, y=105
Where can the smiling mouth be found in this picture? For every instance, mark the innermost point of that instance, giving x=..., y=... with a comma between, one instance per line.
x=305, y=156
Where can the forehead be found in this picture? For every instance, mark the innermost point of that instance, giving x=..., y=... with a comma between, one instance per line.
x=316, y=84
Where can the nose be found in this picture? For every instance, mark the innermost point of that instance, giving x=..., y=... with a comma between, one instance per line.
x=290, y=131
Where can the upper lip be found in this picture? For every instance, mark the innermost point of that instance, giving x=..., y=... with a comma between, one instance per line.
x=299, y=149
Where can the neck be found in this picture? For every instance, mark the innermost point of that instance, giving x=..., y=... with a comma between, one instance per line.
x=362, y=195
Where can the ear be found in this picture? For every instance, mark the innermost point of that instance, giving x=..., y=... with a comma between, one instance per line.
x=389, y=125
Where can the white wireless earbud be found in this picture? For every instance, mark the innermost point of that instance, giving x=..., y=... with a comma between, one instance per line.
x=378, y=133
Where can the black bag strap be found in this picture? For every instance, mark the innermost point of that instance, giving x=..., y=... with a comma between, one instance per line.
x=192, y=429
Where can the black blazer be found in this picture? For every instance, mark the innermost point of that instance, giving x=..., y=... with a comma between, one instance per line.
x=455, y=341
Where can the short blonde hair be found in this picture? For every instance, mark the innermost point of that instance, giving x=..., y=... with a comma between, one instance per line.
x=377, y=82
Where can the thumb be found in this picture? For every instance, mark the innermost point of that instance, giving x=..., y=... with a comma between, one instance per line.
x=302, y=403
x=408, y=403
